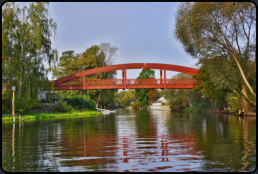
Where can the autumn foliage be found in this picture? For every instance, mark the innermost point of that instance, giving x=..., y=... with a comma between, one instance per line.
x=152, y=94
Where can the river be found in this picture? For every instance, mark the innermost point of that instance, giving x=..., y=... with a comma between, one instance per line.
x=131, y=141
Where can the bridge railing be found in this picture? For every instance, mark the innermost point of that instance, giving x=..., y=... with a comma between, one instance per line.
x=75, y=82
x=103, y=82
x=117, y=82
x=180, y=81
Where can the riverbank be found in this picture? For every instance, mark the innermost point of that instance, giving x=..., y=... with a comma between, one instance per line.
x=51, y=115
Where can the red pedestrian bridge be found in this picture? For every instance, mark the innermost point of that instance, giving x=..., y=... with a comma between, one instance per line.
x=78, y=80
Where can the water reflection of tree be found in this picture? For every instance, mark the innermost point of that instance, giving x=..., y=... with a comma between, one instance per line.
x=228, y=143
x=44, y=142
x=31, y=149
x=145, y=125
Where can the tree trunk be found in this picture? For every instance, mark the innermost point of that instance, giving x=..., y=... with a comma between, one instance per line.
x=243, y=75
x=98, y=98
x=245, y=104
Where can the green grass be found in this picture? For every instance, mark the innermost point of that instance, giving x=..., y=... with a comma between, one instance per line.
x=53, y=115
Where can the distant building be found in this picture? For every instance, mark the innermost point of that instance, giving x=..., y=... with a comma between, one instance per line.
x=157, y=105
x=161, y=100
x=42, y=94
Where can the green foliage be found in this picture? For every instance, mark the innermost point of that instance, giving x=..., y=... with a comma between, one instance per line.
x=217, y=31
x=199, y=107
x=234, y=99
x=146, y=74
x=141, y=94
x=189, y=110
x=142, y=97
x=81, y=102
x=93, y=57
x=53, y=115
x=26, y=44
x=24, y=103
x=179, y=98
x=213, y=91
x=128, y=97
x=63, y=107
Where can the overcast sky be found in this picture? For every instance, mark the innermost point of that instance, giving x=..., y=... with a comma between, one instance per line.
x=142, y=31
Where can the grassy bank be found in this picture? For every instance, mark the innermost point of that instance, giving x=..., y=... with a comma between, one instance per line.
x=53, y=115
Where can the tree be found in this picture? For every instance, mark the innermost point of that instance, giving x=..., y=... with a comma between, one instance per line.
x=129, y=96
x=152, y=94
x=93, y=57
x=142, y=93
x=70, y=63
x=26, y=45
x=179, y=98
x=208, y=87
x=105, y=57
x=226, y=29
x=118, y=98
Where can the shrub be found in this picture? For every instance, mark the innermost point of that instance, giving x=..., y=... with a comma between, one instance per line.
x=80, y=102
x=198, y=107
x=189, y=110
x=20, y=103
x=234, y=100
x=62, y=107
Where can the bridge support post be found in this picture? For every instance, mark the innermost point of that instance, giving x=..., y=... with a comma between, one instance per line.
x=160, y=76
x=165, y=79
x=125, y=77
x=84, y=87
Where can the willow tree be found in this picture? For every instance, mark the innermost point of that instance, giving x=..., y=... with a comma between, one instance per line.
x=226, y=29
x=26, y=44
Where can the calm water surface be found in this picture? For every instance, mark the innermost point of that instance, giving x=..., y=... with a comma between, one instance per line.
x=131, y=141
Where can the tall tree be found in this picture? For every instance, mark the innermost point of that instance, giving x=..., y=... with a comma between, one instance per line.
x=26, y=45
x=106, y=56
x=210, y=86
x=142, y=93
x=227, y=29
x=70, y=63
x=92, y=57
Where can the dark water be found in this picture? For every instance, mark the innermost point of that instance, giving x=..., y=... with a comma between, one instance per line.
x=131, y=141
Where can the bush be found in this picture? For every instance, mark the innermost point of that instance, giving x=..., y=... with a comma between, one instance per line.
x=201, y=106
x=198, y=107
x=80, y=102
x=135, y=106
x=189, y=110
x=234, y=100
x=62, y=107
x=20, y=103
